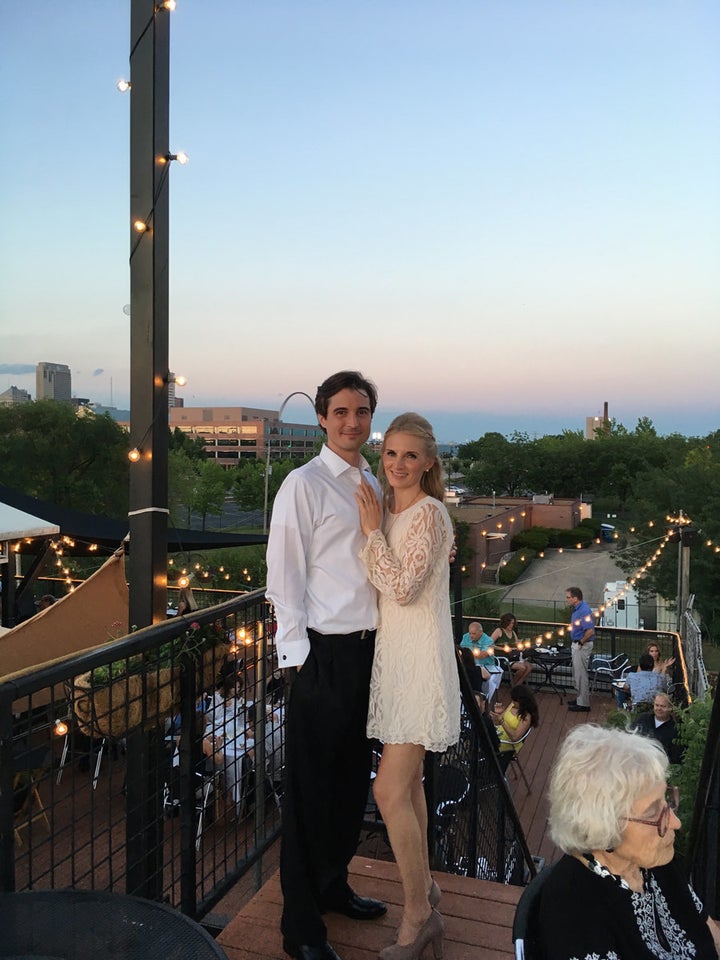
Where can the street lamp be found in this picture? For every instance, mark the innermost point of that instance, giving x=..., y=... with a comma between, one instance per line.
x=295, y=393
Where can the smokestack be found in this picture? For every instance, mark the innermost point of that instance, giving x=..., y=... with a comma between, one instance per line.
x=606, y=418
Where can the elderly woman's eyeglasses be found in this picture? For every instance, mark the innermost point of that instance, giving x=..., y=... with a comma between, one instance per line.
x=662, y=823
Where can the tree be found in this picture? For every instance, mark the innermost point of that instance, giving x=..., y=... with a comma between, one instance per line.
x=182, y=480
x=210, y=487
x=192, y=447
x=501, y=465
x=248, y=485
x=47, y=450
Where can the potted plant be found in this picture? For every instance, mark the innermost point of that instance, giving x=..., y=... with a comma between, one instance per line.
x=141, y=690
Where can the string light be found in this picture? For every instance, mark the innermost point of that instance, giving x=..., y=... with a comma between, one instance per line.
x=134, y=455
x=123, y=85
x=180, y=157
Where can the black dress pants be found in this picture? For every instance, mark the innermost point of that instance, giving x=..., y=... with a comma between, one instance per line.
x=327, y=777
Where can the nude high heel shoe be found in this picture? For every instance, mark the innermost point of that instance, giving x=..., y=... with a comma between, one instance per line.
x=434, y=894
x=431, y=931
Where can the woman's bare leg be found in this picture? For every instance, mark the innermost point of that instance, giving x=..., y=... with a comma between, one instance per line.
x=397, y=789
x=521, y=671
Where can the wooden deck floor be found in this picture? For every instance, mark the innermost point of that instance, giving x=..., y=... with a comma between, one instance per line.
x=478, y=917
x=478, y=913
x=537, y=757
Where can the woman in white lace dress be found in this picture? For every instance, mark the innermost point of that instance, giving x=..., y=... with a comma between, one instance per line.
x=414, y=690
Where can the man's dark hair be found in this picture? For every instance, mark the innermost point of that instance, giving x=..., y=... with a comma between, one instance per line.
x=575, y=592
x=344, y=380
x=645, y=661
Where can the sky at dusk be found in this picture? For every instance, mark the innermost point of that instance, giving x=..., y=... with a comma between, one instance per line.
x=505, y=212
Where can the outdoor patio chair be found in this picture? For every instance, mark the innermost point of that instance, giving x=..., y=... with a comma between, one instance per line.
x=515, y=756
x=28, y=770
x=524, y=925
x=605, y=667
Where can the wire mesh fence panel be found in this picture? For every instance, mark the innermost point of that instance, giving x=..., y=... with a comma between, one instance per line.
x=150, y=766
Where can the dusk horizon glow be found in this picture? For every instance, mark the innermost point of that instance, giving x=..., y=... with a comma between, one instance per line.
x=505, y=215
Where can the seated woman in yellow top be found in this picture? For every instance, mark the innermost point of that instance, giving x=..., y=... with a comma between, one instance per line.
x=513, y=722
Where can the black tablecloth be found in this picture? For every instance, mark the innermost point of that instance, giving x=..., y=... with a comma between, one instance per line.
x=94, y=925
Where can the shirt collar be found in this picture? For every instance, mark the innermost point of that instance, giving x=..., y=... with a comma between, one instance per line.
x=336, y=465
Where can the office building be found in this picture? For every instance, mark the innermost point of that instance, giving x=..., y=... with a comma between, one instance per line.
x=53, y=382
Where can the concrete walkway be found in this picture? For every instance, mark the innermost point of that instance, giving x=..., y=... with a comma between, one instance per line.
x=546, y=580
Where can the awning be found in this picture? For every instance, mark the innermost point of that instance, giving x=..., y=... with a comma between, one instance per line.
x=106, y=532
x=16, y=524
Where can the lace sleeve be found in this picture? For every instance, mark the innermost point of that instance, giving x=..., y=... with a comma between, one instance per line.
x=402, y=577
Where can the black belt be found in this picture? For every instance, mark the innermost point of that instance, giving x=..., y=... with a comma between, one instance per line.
x=355, y=635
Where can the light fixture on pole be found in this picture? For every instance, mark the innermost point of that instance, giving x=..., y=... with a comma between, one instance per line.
x=295, y=393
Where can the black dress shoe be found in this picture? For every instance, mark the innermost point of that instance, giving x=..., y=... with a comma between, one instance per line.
x=576, y=708
x=359, y=908
x=572, y=703
x=304, y=951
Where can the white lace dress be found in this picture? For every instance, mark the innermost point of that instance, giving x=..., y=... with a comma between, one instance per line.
x=414, y=689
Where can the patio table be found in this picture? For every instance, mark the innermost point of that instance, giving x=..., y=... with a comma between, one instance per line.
x=79, y=924
x=549, y=661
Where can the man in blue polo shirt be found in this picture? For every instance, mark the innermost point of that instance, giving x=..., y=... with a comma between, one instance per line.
x=582, y=634
x=479, y=642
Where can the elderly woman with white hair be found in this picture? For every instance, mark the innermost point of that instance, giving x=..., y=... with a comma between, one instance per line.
x=615, y=895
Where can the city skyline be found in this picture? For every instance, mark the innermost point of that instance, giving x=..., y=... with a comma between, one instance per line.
x=504, y=215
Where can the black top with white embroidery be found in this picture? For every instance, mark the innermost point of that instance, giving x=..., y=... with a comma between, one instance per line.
x=586, y=913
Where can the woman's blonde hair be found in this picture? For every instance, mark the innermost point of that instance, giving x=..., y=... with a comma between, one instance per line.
x=431, y=481
x=597, y=777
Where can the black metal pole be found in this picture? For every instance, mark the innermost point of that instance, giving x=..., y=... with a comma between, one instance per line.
x=456, y=575
x=149, y=153
x=148, y=514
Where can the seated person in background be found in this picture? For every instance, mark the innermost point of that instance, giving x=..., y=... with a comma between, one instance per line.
x=478, y=642
x=659, y=665
x=660, y=724
x=230, y=728
x=473, y=672
x=505, y=635
x=513, y=722
x=616, y=892
x=643, y=684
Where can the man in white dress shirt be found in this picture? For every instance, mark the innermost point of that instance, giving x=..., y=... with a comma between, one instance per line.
x=326, y=613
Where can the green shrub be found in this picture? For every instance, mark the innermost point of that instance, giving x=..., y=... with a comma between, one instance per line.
x=536, y=538
x=510, y=571
x=693, y=722
x=571, y=538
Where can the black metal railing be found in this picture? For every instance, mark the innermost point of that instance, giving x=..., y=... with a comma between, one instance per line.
x=609, y=642
x=473, y=827
x=118, y=770
x=114, y=771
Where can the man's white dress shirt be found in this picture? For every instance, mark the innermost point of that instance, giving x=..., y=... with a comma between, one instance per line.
x=315, y=576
